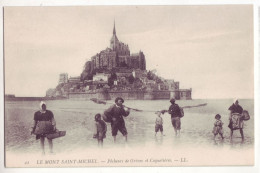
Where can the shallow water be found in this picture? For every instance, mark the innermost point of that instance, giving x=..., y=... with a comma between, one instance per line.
x=77, y=118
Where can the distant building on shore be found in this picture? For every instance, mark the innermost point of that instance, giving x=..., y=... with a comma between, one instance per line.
x=74, y=79
x=101, y=77
x=9, y=96
x=50, y=92
x=63, y=78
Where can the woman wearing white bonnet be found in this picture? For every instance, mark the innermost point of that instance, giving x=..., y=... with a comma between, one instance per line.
x=41, y=109
x=44, y=124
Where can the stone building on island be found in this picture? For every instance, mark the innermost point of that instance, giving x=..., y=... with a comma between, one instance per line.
x=116, y=56
x=115, y=72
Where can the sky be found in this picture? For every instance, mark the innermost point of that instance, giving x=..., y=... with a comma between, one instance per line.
x=207, y=48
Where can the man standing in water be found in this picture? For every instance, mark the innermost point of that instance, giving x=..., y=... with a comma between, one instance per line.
x=117, y=112
x=174, y=110
x=44, y=124
x=236, y=119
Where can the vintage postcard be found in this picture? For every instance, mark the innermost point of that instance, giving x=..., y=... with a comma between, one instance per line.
x=129, y=86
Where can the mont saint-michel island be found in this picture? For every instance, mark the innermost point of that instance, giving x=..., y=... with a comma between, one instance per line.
x=115, y=72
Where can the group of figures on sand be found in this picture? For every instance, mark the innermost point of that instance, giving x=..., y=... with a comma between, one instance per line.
x=237, y=117
x=45, y=126
x=116, y=113
x=176, y=113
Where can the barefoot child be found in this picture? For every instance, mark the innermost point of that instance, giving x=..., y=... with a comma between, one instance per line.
x=218, y=127
x=158, y=123
x=101, y=129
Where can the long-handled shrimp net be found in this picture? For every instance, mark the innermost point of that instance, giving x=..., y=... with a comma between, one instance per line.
x=95, y=100
x=104, y=103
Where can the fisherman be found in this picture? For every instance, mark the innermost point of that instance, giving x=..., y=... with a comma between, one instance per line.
x=44, y=123
x=175, y=112
x=117, y=112
x=236, y=119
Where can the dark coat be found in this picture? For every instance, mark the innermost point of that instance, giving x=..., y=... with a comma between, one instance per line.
x=47, y=116
x=235, y=109
x=174, y=110
x=116, y=112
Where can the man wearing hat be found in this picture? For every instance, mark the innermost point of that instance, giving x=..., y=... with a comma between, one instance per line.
x=236, y=119
x=174, y=110
x=117, y=112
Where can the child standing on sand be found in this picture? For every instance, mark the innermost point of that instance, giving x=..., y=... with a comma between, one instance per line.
x=218, y=127
x=101, y=129
x=158, y=123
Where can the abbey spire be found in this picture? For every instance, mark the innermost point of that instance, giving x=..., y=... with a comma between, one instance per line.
x=114, y=40
x=114, y=30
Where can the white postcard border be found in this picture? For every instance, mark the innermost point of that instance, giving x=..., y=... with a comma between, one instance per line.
x=238, y=169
